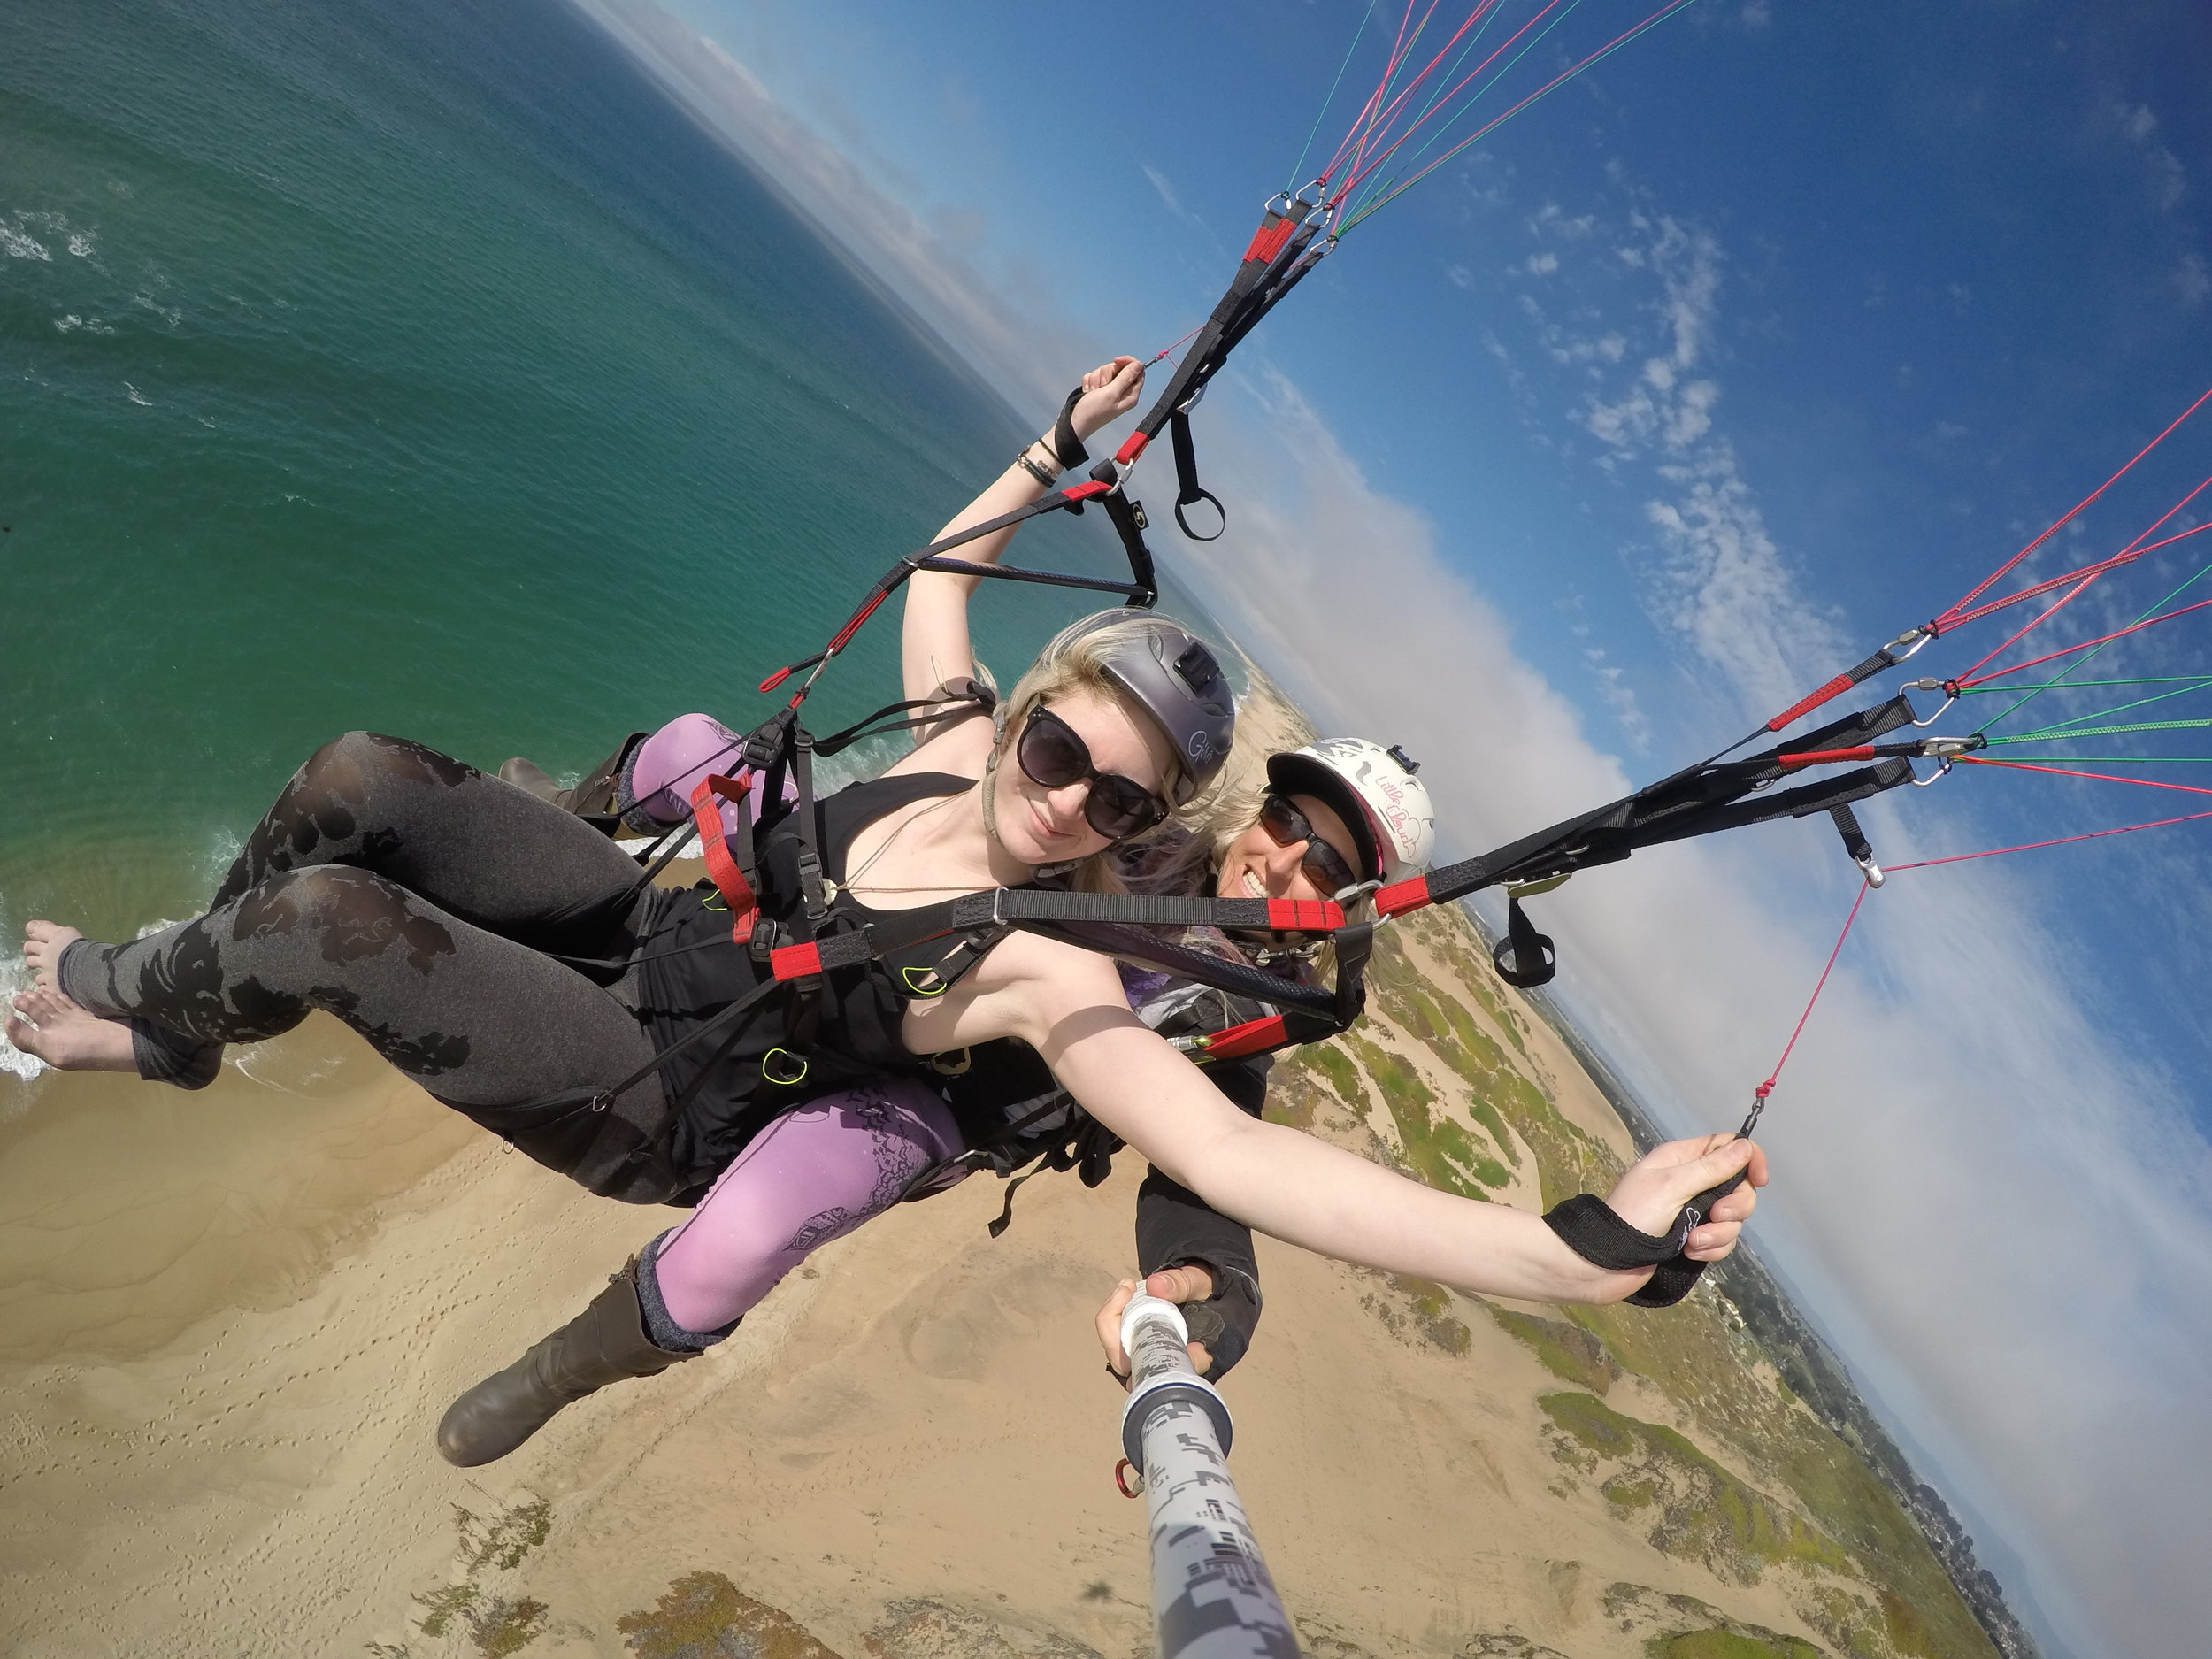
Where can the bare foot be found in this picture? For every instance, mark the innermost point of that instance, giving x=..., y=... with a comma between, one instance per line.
x=64, y=1036
x=42, y=945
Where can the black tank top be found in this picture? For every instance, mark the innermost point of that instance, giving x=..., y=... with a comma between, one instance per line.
x=692, y=970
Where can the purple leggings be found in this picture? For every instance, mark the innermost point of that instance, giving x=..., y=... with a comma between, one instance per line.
x=813, y=1175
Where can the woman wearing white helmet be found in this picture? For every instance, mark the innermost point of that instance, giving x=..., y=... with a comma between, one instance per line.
x=1337, y=818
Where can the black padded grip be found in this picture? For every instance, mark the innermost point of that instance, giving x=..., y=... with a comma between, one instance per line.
x=1065, y=444
x=1588, y=1226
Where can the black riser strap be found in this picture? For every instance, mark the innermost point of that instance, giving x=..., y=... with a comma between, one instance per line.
x=1016, y=574
x=1523, y=958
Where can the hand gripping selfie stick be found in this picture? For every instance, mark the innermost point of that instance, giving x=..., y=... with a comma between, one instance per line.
x=1211, y=1594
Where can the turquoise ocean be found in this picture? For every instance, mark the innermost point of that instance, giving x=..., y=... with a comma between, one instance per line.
x=416, y=367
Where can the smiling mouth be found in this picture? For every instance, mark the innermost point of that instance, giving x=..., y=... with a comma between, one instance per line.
x=1045, y=832
x=1254, y=885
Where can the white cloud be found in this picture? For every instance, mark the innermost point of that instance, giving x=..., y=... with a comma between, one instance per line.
x=1723, y=588
x=2194, y=281
x=1620, y=696
x=2169, y=179
x=1174, y=204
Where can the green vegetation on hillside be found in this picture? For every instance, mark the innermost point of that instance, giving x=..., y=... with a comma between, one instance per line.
x=704, y=1613
x=1700, y=1510
x=1838, y=1517
x=1721, y=1644
x=1564, y=1350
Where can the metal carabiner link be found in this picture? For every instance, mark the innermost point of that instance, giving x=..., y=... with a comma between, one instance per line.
x=1948, y=688
x=1913, y=641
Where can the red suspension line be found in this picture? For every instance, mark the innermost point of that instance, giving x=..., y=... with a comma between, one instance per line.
x=1363, y=123
x=2029, y=847
x=1390, y=113
x=1949, y=618
x=1767, y=1087
x=1492, y=126
x=2106, y=639
x=2048, y=612
x=1369, y=167
x=2101, y=777
x=2127, y=555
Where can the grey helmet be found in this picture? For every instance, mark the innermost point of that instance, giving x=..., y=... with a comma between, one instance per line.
x=1177, y=679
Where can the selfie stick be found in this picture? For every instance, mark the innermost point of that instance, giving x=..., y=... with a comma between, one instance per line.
x=1211, y=1595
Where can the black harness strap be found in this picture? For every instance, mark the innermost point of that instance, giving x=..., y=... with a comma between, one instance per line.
x=1523, y=958
x=1189, y=491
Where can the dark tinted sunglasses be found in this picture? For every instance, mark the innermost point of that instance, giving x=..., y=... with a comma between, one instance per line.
x=1322, y=864
x=1050, y=753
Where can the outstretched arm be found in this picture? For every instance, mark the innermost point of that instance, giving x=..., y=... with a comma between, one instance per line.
x=1308, y=1192
x=934, y=642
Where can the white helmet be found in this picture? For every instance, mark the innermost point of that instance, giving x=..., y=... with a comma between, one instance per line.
x=1373, y=789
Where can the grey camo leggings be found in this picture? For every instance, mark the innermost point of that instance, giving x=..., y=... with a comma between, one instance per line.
x=417, y=899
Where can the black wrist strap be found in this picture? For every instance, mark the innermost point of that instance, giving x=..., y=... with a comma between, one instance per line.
x=1587, y=1225
x=1065, y=444
x=1670, y=1282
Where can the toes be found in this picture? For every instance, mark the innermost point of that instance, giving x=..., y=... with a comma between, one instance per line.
x=22, y=1035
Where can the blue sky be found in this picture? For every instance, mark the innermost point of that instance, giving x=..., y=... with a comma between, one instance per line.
x=1684, y=390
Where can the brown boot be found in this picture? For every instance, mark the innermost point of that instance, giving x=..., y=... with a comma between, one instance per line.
x=603, y=1344
x=527, y=774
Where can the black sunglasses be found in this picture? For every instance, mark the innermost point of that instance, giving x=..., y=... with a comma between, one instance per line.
x=1050, y=752
x=1322, y=864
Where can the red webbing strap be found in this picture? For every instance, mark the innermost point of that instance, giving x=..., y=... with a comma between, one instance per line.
x=813, y=956
x=1304, y=916
x=795, y=962
x=1835, y=688
x=1400, y=896
x=706, y=811
x=1826, y=757
x=1255, y=1036
x=1268, y=240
